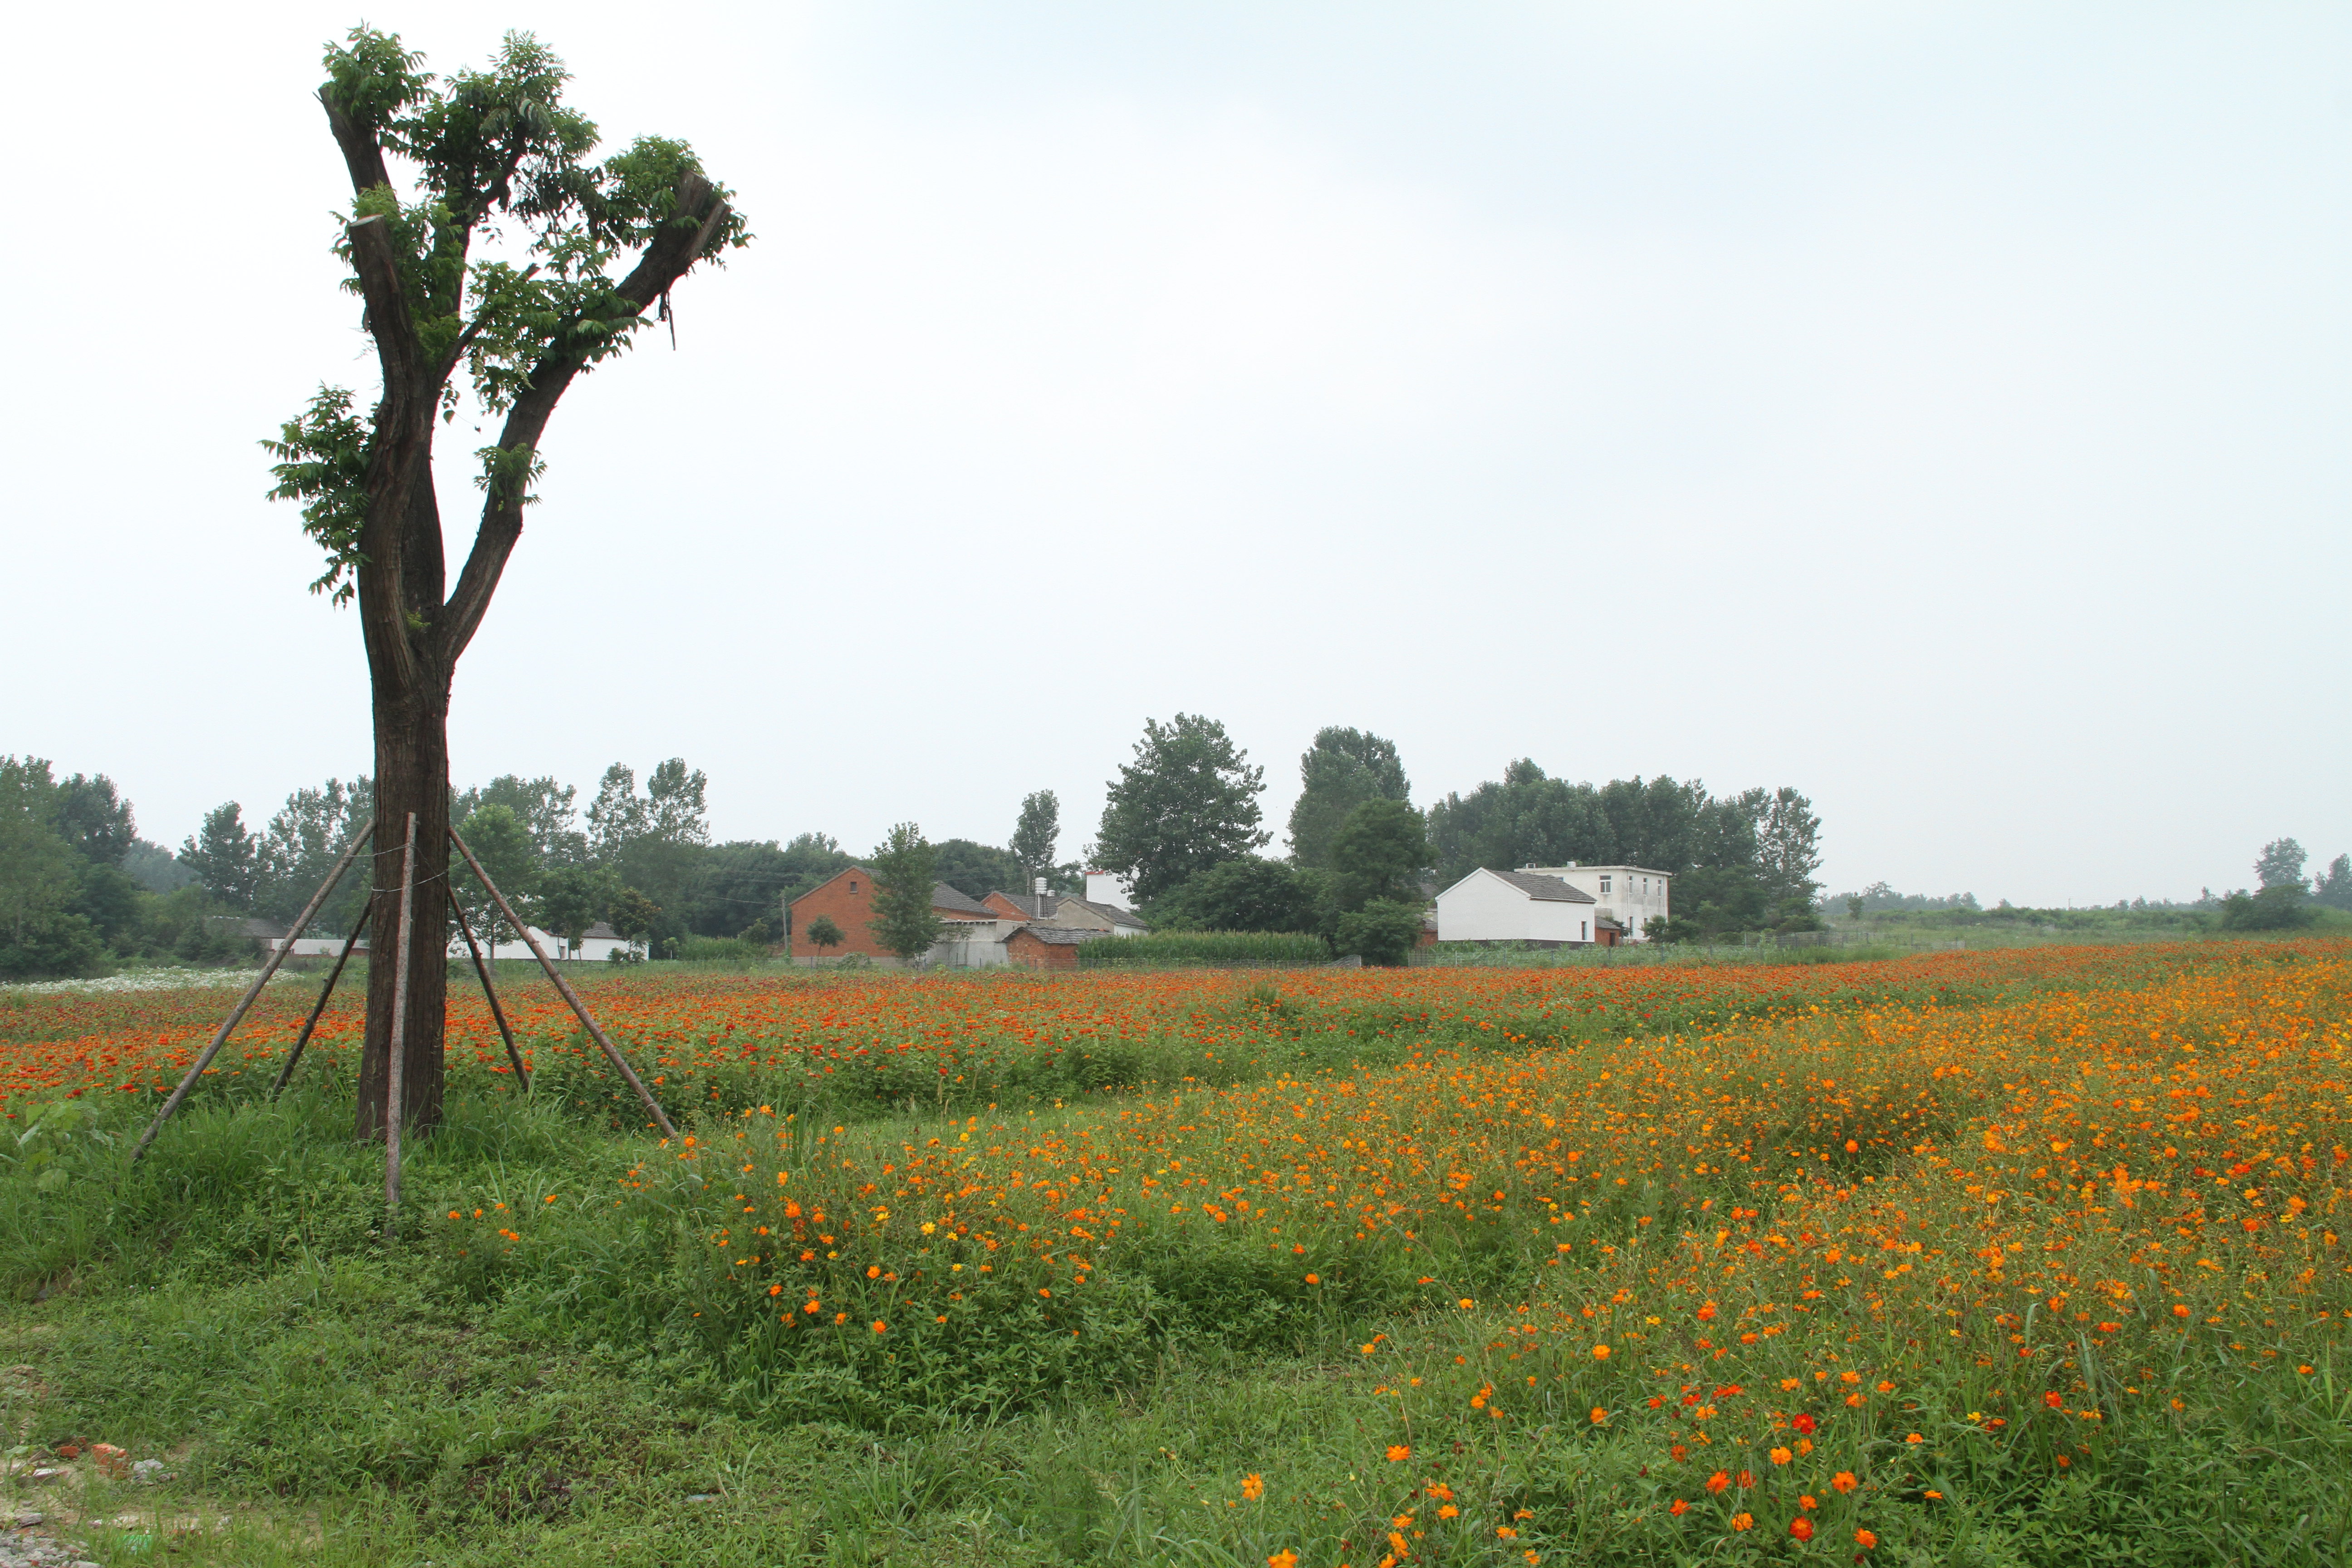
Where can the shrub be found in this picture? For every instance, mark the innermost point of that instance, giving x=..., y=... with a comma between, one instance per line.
x=1189, y=949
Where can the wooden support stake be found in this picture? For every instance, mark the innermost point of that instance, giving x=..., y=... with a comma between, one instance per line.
x=514, y=1057
x=286, y=1073
x=563, y=986
x=236, y=1014
x=397, y=1045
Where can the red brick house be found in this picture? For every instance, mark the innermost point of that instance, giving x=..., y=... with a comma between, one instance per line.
x=848, y=897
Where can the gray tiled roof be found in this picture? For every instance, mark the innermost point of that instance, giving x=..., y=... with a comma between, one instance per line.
x=1547, y=889
x=1058, y=936
x=1031, y=905
x=1113, y=913
x=946, y=898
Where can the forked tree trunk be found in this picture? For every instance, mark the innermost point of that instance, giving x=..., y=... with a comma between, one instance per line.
x=412, y=774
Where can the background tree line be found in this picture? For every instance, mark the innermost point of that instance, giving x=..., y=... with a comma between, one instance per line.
x=1183, y=824
x=80, y=890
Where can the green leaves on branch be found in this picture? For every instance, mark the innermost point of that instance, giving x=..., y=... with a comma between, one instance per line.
x=508, y=475
x=323, y=457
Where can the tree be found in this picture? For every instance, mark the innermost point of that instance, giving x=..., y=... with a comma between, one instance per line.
x=545, y=808
x=630, y=915
x=1379, y=853
x=1249, y=894
x=905, y=872
x=2335, y=888
x=1188, y=802
x=300, y=845
x=977, y=870
x=674, y=809
x=2281, y=865
x=734, y=885
x=616, y=816
x=496, y=154
x=1034, y=835
x=1788, y=848
x=501, y=841
x=573, y=898
x=1383, y=931
x=226, y=857
x=40, y=932
x=1343, y=769
x=823, y=934
x=2280, y=907
x=95, y=821
x=1524, y=819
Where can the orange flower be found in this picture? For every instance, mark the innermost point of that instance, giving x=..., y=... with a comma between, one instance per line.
x=1865, y=1540
x=880, y=1327
x=1253, y=1486
x=1746, y=1479
x=1844, y=1480
x=1285, y=1558
x=1312, y=1280
x=1399, y=1452
x=2181, y=1309
x=1717, y=1481
x=1599, y=1415
x=1743, y=1522
x=1780, y=1455
x=1801, y=1528
x=1678, y=1508
x=1601, y=1353
x=2054, y=1399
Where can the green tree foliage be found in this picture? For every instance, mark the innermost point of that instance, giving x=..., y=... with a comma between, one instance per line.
x=1252, y=894
x=226, y=856
x=1188, y=802
x=298, y=846
x=545, y=806
x=736, y=884
x=2335, y=887
x=1382, y=931
x=1342, y=770
x=41, y=933
x=1035, y=834
x=977, y=870
x=502, y=842
x=1378, y=854
x=2283, y=907
x=671, y=809
x=573, y=898
x=905, y=870
x=1788, y=837
x=823, y=934
x=2280, y=864
x=156, y=869
x=630, y=915
x=95, y=821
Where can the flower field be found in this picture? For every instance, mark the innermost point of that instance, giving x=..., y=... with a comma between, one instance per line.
x=1957, y=1257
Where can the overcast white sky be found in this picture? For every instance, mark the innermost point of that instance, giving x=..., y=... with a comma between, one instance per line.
x=1940, y=408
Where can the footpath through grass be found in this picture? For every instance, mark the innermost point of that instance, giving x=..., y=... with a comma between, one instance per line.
x=1997, y=1259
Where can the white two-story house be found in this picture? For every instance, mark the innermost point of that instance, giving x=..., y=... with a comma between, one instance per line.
x=1630, y=896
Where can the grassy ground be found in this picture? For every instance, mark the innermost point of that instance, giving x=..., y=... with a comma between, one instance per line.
x=570, y=1352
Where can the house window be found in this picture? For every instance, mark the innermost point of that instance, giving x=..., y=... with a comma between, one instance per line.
x=1604, y=884
x=852, y=884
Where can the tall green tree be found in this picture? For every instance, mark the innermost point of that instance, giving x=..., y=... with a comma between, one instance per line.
x=1379, y=853
x=495, y=154
x=1188, y=802
x=94, y=821
x=502, y=842
x=41, y=933
x=546, y=807
x=2281, y=864
x=1788, y=846
x=905, y=871
x=1035, y=834
x=1342, y=770
x=573, y=898
x=2335, y=887
x=225, y=856
x=1249, y=894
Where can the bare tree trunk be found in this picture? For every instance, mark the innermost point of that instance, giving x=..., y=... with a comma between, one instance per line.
x=412, y=774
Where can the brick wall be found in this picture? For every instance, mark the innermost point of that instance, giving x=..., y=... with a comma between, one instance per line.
x=848, y=897
x=1031, y=952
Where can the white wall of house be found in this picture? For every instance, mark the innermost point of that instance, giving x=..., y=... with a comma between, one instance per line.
x=1108, y=888
x=1634, y=895
x=974, y=944
x=1482, y=907
x=594, y=949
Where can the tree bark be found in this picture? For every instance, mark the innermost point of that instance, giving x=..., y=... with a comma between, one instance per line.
x=412, y=774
